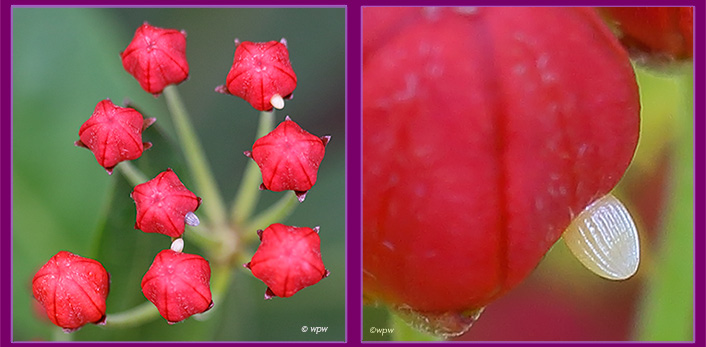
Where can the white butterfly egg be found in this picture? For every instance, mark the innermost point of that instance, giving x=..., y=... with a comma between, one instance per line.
x=177, y=245
x=191, y=219
x=603, y=238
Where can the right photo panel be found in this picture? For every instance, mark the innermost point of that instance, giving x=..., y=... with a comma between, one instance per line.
x=528, y=174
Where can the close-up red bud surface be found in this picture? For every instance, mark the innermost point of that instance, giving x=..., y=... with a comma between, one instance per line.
x=72, y=290
x=485, y=132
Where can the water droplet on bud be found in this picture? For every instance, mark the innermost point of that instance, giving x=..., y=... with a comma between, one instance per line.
x=444, y=324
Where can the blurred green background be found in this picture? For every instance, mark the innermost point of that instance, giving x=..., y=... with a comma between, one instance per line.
x=65, y=60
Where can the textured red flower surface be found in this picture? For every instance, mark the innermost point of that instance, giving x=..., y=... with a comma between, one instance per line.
x=156, y=57
x=289, y=158
x=260, y=71
x=114, y=134
x=288, y=259
x=162, y=204
x=178, y=284
x=72, y=290
x=662, y=31
x=486, y=130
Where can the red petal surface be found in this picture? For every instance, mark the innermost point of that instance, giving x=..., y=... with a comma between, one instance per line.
x=156, y=57
x=162, y=204
x=288, y=157
x=288, y=259
x=72, y=289
x=178, y=284
x=485, y=131
x=260, y=70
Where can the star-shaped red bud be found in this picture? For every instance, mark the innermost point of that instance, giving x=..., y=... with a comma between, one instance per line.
x=164, y=204
x=261, y=74
x=114, y=134
x=72, y=290
x=156, y=57
x=288, y=259
x=289, y=158
x=178, y=284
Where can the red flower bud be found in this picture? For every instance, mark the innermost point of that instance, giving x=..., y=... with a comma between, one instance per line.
x=261, y=74
x=114, y=134
x=486, y=131
x=72, y=290
x=657, y=32
x=156, y=57
x=289, y=158
x=163, y=204
x=178, y=284
x=288, y=259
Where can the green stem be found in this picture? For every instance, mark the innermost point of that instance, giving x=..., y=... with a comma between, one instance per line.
x=666, y=309
x=200, y=235
x=132, y=317
x=195, y=158
x=132, y=173
x=248, y=192
x=59, y=334
x=276, y=212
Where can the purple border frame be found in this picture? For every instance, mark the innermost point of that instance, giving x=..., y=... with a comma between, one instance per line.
x=353, y=145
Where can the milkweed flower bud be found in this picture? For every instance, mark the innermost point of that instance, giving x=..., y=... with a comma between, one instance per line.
x=289, y=158
x=72, y=290
x=178, y=284
x=163, y=204
x=156, y=57
x=114, y=134
x=486, y=132
x=288, y=259
x=261, y=74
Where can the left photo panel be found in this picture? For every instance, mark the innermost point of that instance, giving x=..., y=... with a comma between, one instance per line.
x=178, y=174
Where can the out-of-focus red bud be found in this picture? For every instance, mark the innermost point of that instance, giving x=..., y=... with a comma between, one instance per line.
x=178, y=284
x=662, y=32
x=288, y=259
x=162, y=204
x=114, y=134
x=486, y=130
x=261, y=74
x=156, y=57
x=72, y=290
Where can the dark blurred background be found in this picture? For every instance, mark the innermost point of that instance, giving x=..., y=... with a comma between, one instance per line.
x=66, y=60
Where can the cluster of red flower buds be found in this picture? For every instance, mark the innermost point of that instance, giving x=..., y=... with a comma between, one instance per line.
x=72, y=290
